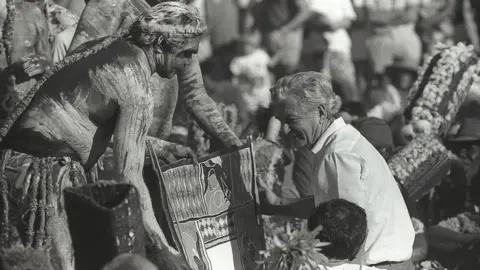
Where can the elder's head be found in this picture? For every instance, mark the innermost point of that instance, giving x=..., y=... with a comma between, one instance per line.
x=306, y=103
x=174, y=30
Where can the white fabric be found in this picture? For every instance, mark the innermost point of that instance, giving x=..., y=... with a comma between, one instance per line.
x=255, y=63
x=352, y=169
x=336, y=10
x=251, y=71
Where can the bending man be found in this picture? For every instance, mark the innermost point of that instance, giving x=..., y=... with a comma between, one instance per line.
x=344, y=165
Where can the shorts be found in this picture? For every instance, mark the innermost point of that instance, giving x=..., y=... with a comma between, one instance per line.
x=397, y=46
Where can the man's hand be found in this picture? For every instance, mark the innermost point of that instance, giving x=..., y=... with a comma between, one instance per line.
x=33, y=65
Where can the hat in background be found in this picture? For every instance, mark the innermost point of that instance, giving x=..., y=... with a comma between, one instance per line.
x=376, y=131
x=469, y=124
x=469, y=130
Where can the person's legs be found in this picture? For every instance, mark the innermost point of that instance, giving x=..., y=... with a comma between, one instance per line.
x=342, y=72
x=408, y=55
x=381, y=54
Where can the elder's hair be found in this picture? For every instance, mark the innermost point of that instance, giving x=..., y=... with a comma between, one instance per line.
x=309, y=90
x=168, y=26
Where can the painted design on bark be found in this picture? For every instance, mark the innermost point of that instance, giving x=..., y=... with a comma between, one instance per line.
x=233, y=223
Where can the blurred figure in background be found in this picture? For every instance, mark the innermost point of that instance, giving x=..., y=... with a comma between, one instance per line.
x=328, y=24
x=251, y=74
x=281, y=23
x=436, y=23
x=392, y=40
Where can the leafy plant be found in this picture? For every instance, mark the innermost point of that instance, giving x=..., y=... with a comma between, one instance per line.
x=294, y=250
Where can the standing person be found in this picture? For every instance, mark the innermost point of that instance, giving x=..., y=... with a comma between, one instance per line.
x=346, y=166
x=358, y=34
x=392, y=40
x=281, y=23
x=330, y=20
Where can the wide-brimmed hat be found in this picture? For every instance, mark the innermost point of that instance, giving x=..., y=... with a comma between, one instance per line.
x=469, y=130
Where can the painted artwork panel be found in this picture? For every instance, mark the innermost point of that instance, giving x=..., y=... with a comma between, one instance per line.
x=214, y=210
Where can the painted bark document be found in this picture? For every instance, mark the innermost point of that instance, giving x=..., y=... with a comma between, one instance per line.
x=215, y=211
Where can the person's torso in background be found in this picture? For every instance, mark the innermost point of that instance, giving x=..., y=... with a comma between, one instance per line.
x=336, y=10
x=222, y=21
x=379, y=11
x=273, y=14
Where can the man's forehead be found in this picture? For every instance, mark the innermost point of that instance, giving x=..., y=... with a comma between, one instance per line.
x=284, y=108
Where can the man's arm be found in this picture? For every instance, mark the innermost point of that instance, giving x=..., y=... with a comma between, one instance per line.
x=299, y=19
x=299, y=208
x=201, y=106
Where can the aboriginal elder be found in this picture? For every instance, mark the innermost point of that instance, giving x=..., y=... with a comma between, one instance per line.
x=102, y=96
x=344, y=166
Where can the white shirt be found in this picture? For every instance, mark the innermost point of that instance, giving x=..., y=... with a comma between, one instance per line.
x=336, y=10
x=352, y=169
x=254, y=67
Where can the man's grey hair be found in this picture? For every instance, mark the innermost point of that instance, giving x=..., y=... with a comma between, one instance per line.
x=309, y=91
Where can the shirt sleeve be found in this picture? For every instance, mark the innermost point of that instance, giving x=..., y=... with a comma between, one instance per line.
x=345, y=172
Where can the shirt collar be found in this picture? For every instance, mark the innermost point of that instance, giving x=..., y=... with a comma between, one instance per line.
x=336, y=125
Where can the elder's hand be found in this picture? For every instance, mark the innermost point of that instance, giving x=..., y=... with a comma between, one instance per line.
x=34, y=65
x=271, y=197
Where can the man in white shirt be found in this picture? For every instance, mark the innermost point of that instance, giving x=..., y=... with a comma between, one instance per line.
x=330, y=19
x=345, y=165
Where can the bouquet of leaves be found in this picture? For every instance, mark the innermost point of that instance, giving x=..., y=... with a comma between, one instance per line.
x=294, y=250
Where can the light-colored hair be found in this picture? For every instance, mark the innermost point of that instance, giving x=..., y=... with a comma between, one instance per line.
x=309, y=91
x=171, y=23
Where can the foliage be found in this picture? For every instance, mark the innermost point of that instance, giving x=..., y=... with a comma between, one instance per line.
x=294, y=249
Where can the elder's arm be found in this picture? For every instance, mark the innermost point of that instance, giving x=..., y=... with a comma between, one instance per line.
x=129, y=151
x=201, y=106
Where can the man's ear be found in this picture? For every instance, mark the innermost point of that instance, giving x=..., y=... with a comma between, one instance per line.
x=322, y=110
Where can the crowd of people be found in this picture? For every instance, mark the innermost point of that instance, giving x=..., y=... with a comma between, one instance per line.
x=336, y=74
